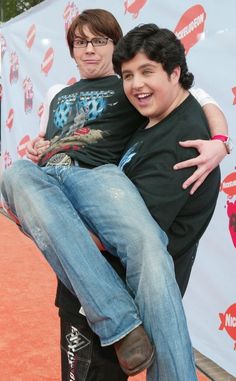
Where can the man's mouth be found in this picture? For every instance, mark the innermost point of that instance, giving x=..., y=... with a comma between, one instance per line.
x=143, y=98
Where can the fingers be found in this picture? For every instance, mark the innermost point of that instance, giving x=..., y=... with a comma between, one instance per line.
x=30, y=148
x=34, y=158
x=190, y=143
x=198, y=183
x=194, y=177
x=187, y=163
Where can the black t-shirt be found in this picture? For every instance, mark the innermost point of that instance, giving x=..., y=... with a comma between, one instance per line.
x=91, y=121
x=148, y=161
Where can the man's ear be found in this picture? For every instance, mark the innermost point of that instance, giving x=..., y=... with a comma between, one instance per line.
x=175, y=75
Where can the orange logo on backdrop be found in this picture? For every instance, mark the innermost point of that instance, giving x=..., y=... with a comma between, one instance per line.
x=234, y=92
x=134, y=7
x=10, y=119
x=191, y=26
x=47, y=61
x=30, y=36
x=228, y=185
x=228, y=321
x=21, y=148
x=41, y=110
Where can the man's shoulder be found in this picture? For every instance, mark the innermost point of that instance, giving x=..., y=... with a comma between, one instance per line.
x=191, y=120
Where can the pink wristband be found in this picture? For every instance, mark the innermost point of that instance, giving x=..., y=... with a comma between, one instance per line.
x=223, y=138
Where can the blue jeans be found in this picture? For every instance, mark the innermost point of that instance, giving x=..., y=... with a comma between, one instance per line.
x=55, y=205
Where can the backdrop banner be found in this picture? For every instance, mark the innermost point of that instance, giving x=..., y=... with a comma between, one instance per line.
x=35, y=56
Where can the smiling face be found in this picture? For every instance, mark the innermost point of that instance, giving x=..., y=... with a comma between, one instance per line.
x=150, y=89
x=93, y=62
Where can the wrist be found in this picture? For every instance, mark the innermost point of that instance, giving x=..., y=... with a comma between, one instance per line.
x=225, y=139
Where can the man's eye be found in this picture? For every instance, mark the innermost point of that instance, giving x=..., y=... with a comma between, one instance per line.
x=127, y=76
x=79, y=42
x=147, y=72
x=99, y=41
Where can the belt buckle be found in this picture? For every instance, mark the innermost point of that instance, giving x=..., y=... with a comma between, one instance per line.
x=59, y=159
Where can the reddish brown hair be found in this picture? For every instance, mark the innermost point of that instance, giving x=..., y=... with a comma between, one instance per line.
x=99, y=21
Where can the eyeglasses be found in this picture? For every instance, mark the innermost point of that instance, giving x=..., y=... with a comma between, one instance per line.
x=96, y=41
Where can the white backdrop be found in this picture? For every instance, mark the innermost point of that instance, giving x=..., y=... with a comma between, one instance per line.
x=35, y=56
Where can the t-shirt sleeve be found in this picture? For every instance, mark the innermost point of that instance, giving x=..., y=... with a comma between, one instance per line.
x=53, y=90
x=203, y=97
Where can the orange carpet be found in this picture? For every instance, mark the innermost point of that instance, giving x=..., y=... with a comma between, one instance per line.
x=29, y=326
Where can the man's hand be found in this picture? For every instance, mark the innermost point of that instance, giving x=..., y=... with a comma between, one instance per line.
x=36, y=147
x=211, y=153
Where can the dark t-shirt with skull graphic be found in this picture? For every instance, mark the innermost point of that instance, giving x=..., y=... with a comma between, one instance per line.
x=91, y=121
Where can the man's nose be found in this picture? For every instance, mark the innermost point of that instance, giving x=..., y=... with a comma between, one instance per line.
x=137, y=82
x=90, y=47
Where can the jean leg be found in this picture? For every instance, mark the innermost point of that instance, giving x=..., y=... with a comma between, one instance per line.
x=36, y=196
x=118, y=214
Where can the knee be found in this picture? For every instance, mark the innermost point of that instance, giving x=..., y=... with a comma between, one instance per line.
x=14, y=176
x=149, y=236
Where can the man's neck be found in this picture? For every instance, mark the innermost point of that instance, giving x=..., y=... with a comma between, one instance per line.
x=180, y=97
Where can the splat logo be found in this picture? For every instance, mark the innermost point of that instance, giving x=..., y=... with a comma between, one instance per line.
x=30, y=37
x=228, y=322
x=47, y=61
x=70, y=12
x=7, y=159
x=28, y=94
x=3, y=45
x=134, y=6
x=234, y=92
x=231, y=212
x=191, y=26
x=228, y=186
x=14, y=68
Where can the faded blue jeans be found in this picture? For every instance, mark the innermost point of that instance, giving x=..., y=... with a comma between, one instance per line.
x=55, y=205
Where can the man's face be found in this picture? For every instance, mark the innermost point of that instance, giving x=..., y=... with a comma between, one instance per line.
x=93, y=62
x=149, y=88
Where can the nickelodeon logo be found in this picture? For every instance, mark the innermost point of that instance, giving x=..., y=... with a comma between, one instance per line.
x=228, y=321
x=191, y=26
x=228, y=185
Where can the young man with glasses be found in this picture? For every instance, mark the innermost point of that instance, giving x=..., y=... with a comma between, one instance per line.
x=89, y=124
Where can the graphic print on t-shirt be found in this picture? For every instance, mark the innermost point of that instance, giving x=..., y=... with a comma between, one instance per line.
x=71, y=114
x=127, y=157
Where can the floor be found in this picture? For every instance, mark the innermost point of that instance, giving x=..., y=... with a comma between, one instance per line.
x=29, y=327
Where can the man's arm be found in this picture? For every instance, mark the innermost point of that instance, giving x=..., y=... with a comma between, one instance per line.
x=211, y=152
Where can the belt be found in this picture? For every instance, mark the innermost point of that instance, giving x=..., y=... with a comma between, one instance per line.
x=61, y=159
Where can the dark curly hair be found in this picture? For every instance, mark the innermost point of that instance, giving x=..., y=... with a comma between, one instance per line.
x=158, y=44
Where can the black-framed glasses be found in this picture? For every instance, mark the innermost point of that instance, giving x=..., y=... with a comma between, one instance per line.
x=96, y=41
